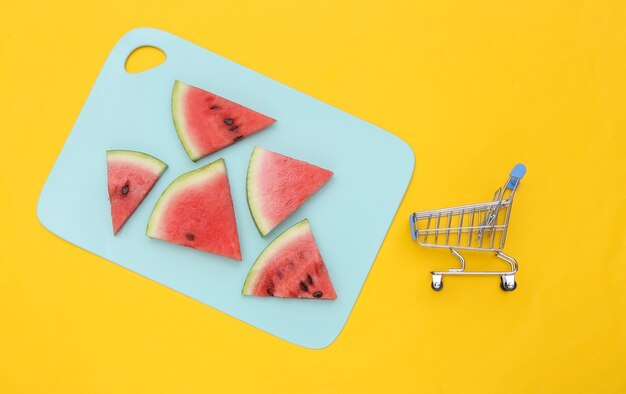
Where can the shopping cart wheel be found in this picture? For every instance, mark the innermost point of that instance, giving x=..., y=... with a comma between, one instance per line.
x=436, y=286
x=437, y=283
x=508, y=284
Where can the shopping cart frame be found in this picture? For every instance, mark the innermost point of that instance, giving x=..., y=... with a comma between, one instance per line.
x=485, y=222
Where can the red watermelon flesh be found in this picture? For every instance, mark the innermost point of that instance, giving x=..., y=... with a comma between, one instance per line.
x=290, y=267
x=277, y=185
x=131, y=175
x=206, y=122
x=196, y=210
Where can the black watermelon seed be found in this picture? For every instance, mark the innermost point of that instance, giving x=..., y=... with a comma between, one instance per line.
x=318, y=294
x=238, y=138
x=125, y=190
x=270, y=292
x=214, y=107
x=309, y=279
x=190, y=236
x=229, y=121
x=304, y=287
x=235, y=127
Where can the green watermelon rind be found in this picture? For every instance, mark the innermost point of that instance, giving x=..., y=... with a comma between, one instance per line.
x=275, y=246
x=187, y=179
x=259, y=220
x=178, y=114
x=138, y=158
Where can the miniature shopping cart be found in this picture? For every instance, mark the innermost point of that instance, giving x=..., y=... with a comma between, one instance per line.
x=480, y=227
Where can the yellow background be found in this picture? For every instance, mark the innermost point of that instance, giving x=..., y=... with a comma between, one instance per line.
x=473, y=86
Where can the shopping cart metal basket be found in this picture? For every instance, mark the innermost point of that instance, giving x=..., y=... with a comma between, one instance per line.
x=481, y=227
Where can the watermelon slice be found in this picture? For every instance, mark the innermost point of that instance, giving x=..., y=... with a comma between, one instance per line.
x=290, y=267
x=206, y=122
x=196, y=210
x=131, y=176
x=277, y=185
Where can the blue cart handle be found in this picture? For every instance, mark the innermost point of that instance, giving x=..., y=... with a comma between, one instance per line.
x=517, y=173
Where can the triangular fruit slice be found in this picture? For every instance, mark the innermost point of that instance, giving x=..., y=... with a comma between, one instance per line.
x=290, y=267
x=277, y=185
x=206, y=122
x=131, y=175
x=196, y=210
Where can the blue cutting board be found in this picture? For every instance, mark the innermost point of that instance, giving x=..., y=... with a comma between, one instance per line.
x=349, y=216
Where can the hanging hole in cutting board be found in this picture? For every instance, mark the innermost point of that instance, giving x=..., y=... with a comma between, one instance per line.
x=143, y=59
